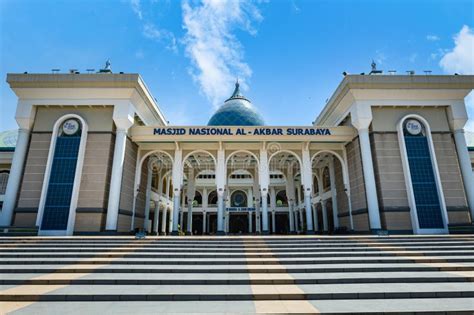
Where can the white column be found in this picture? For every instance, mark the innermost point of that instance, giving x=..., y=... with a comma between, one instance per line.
x=165, y=210
x=177, y=185
x=466, y=169
x=315, y=216
x=190, y=197
x=204, y=221
x=264, y=212
x=290, y=195
x=149, y=177
x=14, y=179
x=176, y=210
x=250, y=205
x=308, y=212
x=123, y=116
x=220, y=184
x=369, y=179
x=361, y=116
x=116, y=180
x=256, y=194
x=204, y=210
x=325, y=215
x=273, y=207
x=220, y=213
x=156, y=217
x=332, y=179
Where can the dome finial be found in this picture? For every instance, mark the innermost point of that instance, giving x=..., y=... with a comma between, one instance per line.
x=237, y=94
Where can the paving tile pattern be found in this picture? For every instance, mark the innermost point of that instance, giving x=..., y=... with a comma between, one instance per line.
x=237, y=275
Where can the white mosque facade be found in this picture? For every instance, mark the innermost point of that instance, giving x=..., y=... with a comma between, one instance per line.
x=95, y=155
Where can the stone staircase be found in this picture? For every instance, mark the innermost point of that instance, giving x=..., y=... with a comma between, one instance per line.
x=243, y=275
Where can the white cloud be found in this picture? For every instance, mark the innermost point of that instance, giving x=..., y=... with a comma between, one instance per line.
x=136, y=7
x=139, y=54
x=432, y=38
x=379, y=57
x=151, y=30
x=215, y=52
x=461, y=58
x=178, y=116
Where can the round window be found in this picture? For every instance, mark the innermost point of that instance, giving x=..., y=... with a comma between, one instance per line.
x=70, y=127
x=413, y=127
x=238, y=199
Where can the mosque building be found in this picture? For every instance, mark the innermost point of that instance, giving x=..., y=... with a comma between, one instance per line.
x=95, y=154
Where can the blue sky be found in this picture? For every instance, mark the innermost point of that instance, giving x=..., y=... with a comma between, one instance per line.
x=289, y=55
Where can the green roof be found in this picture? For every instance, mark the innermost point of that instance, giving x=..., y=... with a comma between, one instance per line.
x=8, y=140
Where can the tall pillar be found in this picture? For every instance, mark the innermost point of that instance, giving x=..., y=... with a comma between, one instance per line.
x=325, y=215
x=156, y=217
x=204, y=205
x=250, y=205
x=220, y=213
x=177, y=186
x=308, y=212
x=315, y=216
x=466, y=169
x=361, y=116
x=146, y=220
x=290, y=195
x=116, y=180
x=264, y=182
x=332, y=179
x=14, y=179
x=264, y=195
x=204, y=219
x=256, y=194
x=273, y=208
x=190, y=198
x=165, y=210
x=291, y=217
x=369, y=179
x=220, y=184
x=307, y=181
x=24, y=116
x=123, y=116
x=249, y=216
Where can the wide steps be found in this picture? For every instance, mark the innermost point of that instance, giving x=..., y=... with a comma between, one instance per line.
x=185, y=275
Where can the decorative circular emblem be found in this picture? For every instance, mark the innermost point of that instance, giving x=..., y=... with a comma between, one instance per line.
x=239, y=199
x=70, y=127
x=413, y=127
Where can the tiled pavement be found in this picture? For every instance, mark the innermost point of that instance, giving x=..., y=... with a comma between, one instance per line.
x=237, y=275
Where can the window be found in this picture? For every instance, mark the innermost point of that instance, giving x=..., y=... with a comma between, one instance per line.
x=3, y=181
x=61, y=179
x=238, y=199
x=425, y=191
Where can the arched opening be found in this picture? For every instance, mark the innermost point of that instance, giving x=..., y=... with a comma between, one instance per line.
x=422, y=179
x=281, y=199
x=212, y=199
x=199, y=168
x=242, y=170
x=293, y=219
x=329, y=185
x=57, y=210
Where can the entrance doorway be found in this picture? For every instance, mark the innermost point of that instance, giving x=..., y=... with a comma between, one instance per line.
x=281, y=223
x=238, y=223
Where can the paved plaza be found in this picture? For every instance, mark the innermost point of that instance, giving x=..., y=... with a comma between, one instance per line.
x=237, y=275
